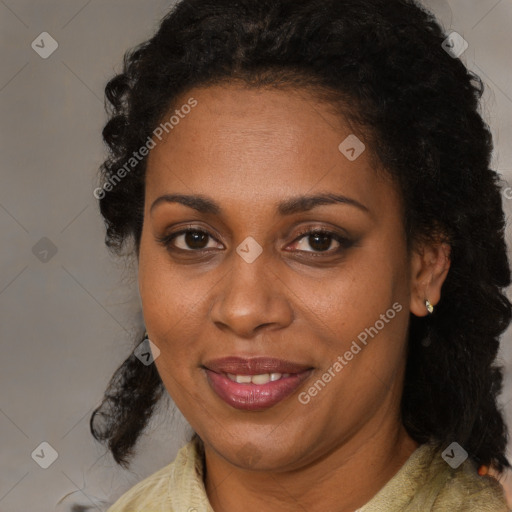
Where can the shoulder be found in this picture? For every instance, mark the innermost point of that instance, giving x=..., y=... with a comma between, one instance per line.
x=150, y=491
x=467, y=491
x=165, y=489
x=427, y=483
x=464, y=490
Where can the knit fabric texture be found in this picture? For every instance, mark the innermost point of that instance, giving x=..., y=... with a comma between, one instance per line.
x=424, y=483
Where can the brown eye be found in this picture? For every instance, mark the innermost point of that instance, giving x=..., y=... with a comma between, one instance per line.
x=320, y=241
x=195, y=239
x=190, y=240
x=317, y=240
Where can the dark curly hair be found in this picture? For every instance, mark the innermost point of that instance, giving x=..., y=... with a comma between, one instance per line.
x=382, y=62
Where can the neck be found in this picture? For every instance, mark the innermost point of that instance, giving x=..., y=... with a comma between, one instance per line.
x=342, y=480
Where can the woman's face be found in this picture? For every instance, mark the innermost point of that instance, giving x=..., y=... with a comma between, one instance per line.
x=248, y=283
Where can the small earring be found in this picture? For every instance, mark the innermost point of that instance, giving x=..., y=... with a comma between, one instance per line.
x=429, y=306
x=146, y=334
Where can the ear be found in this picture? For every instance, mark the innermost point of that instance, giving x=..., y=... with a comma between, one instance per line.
x=429, y=264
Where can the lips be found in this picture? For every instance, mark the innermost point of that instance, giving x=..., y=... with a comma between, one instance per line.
x=230, y=378
x=254, y=366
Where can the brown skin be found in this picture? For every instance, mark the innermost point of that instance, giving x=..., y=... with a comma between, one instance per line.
x=248, y=150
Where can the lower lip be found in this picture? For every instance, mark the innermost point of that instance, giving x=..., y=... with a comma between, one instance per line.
x=254, y=397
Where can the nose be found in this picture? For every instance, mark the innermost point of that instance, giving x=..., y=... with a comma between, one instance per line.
x=251, y=298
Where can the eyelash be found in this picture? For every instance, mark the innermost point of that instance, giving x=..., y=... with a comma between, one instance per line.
x=344, y=242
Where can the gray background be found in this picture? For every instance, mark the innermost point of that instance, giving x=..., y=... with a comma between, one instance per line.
x=68, y=319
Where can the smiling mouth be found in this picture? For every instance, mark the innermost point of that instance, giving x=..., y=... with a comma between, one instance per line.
x=254, y=384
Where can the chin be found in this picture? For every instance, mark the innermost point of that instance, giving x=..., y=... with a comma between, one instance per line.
x=266, y=452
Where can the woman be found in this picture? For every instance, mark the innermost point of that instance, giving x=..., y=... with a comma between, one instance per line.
x=321, y=260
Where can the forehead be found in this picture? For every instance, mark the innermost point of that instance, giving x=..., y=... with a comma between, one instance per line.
x=240, y=143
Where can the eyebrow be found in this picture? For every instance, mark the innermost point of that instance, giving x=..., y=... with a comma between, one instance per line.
x=289, y=206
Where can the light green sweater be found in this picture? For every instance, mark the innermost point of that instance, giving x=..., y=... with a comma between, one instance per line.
x=425, y=483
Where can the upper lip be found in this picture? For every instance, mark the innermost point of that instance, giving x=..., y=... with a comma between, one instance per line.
x=254, y=365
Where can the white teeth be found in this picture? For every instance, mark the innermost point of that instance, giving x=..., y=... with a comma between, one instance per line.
x=262, y=378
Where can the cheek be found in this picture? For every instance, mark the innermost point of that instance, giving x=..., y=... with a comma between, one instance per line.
x=353, y=296
x=165, y=292
x=171, y=305
x=174, y=309
x=363, y=311
x=174, y=316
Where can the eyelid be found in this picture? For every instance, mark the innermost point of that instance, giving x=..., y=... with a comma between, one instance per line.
x=166, y=239
x=344, y=241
